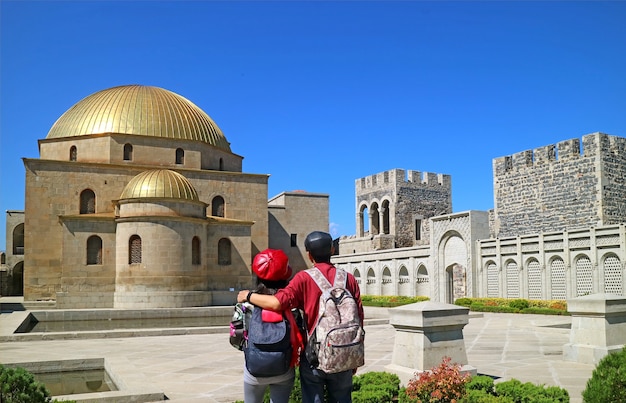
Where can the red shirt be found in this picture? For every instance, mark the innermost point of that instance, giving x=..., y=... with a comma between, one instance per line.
x=303, y=293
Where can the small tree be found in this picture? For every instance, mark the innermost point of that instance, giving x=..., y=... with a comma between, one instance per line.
x=19, y=386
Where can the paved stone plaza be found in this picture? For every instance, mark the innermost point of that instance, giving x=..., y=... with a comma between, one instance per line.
x=205, y=368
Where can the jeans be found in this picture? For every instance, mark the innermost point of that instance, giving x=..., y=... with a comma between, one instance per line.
x=279, y=392
x=339, y=385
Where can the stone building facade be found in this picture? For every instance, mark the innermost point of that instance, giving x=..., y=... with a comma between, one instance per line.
x=556, y=232
x=12, y=259
x=138, y=201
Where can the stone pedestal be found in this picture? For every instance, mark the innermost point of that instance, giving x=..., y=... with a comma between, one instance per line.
x=426, y=332
x=598, y=327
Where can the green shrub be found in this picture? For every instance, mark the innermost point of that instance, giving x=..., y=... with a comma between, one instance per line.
x=480, y=396
x=444, y=383
x=608, y=380
x=528, y=392
x=481, y=382
x=544, y=311
x=463, y=302
x=17, y=385
x=486, y=308
x=519, y=304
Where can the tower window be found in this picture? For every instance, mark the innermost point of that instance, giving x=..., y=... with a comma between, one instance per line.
x=87, y=202
x=195, y=250
x=418, y=230
x=180, y=156
x=217, y=206
x=73, y=153
x=134, y=249
x=128, y=152
x=94, y=250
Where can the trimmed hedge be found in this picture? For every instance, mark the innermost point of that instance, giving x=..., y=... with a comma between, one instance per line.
x=553, y=307
x=390, y=301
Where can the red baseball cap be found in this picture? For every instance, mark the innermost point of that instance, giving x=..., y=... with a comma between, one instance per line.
x=272, y=265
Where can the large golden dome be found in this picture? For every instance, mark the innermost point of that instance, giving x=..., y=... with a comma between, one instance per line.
x=139, y=110
x=160, y=183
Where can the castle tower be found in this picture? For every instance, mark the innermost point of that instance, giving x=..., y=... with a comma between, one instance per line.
x=395, y=206
x=558, y=187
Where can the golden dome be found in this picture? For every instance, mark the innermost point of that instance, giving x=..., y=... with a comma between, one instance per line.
x=139, y=110
x=161, y=183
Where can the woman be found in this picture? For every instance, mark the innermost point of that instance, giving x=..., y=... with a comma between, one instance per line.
x=272, y=269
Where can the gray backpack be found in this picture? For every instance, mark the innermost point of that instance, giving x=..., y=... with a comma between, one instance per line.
x=337, y=339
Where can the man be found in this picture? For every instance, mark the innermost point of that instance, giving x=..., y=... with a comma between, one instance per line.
x=303, y=293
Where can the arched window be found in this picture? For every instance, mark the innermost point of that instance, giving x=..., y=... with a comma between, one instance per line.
x=223, y=252
x=512, y=280
x=87, y=202
x=94, y=250
x=134, y=249
x=357, y=276
x=195, y=250
x=559, y=288
x=493, y=280
x=217, y=206
x=535, y=288
x=128, y=152
x=180, y=156
x=73, y=153
x=18, y=239
x=3, y=258
x=614, y=283
x=584, y=276
x=221, y=164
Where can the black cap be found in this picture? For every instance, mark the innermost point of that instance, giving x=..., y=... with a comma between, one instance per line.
x=318, y=243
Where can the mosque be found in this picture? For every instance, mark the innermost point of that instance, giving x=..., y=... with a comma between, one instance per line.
x=137, y=201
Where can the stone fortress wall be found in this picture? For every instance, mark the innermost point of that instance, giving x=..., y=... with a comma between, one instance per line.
x=558, y=186
x=556, y=231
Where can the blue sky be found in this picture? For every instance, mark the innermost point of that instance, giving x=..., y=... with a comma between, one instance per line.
x=320, y=93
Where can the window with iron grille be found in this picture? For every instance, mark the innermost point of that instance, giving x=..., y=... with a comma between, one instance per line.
x=94, y=250
x=134, y=249
x=87, y=202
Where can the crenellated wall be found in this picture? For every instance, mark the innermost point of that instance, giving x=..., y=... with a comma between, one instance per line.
x=558, y=186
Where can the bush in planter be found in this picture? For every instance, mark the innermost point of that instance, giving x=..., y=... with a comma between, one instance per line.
x=444, y=383
x=608, y=380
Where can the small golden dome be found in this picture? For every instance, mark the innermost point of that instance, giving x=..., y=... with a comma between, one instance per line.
x=161, y=183
x=139, y=110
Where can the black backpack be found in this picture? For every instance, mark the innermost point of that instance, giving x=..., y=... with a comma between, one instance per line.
x=268, y=348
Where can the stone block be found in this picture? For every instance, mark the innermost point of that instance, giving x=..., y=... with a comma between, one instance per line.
x=426, y=332
x=598, y=327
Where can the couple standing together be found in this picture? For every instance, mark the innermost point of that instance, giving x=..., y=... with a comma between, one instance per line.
x=276, y=293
